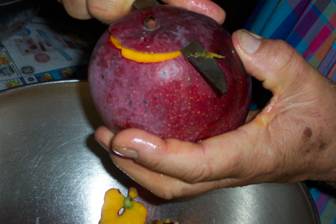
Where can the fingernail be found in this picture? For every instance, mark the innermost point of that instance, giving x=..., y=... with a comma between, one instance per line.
x=125, y=152
x=249, y=42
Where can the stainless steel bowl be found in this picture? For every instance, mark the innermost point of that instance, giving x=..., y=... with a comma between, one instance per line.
x=52, y=170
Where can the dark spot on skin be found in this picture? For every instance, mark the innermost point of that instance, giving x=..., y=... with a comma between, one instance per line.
x=102, y=76
x=308, y=149
x=322, y=145
x=307, y=134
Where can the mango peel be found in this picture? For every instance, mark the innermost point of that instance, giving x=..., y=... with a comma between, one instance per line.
x=139, y=79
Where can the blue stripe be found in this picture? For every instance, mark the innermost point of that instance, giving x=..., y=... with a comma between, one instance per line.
x=282, y=11
x=329, y=60
x=286, y=27
x=289, y=23
x=261, y=15
x=314, y=193
x=297, y=42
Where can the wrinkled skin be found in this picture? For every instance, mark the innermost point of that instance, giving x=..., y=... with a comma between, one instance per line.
x=291, y=139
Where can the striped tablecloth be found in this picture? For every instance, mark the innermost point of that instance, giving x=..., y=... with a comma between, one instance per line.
x=309, y=26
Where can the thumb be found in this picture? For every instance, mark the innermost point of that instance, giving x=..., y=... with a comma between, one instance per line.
x=205, y=7
x=109, y=10
x=274, y=62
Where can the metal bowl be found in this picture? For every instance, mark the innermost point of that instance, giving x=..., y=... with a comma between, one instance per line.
x=8, y=2
x=52, y=170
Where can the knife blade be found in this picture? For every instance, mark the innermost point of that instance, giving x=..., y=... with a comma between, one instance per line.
x=142, y=4
x=194, y=52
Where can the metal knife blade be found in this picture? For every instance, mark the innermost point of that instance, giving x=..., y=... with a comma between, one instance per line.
x=208, y=67
x=142, y=4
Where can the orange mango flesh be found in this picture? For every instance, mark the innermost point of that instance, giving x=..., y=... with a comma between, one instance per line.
x=143, y=57
x=114, y=202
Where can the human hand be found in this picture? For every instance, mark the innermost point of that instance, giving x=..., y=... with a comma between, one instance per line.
x=290, y=140
x=109, y=10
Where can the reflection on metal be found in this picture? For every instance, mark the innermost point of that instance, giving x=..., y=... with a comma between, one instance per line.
x=8, y=2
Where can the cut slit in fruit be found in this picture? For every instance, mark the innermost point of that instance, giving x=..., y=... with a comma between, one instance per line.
x=151, y=57
x=143, y=57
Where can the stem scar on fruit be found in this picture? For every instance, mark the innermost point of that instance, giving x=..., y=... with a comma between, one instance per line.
x=151, y=23
x=151, y=57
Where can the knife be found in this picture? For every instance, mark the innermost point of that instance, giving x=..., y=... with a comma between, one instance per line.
x=195, y=53
x=206, y=66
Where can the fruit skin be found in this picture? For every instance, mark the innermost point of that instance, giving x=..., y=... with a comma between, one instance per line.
x=169, y=98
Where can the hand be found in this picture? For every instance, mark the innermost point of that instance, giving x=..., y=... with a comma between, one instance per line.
x=110, y=10
x=291, y=139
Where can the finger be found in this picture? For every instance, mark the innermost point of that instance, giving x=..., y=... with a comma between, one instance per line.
x=132, y=142
x=109, y=10
x=104, y=137
x=205, y=7
x=76, y=8
x=159, y=184
x=225, y=156
x=165, y=186
x=273, y=62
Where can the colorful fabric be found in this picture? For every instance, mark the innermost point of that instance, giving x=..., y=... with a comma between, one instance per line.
x=309, y=26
